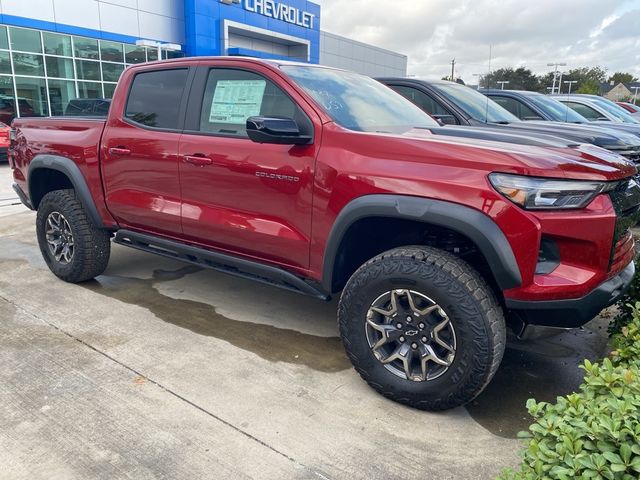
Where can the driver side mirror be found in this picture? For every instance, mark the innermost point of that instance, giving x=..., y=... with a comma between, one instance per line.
x=446, y=119
x=280, y=131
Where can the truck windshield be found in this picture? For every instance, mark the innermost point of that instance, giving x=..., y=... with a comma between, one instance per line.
x=615, y=110
x=558, y=112
x=475, y=104
x=357, y=102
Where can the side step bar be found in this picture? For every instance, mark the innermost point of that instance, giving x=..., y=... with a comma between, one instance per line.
x=205, y=258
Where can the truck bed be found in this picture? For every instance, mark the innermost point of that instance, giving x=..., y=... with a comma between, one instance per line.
x=76, y=138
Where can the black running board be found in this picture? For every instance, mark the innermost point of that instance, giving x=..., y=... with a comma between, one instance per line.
x=205, y=258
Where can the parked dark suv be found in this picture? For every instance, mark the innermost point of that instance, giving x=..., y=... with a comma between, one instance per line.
x=456, y=104
x=538, y=107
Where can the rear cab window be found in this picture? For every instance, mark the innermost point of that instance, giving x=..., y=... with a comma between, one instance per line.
x=155, y=97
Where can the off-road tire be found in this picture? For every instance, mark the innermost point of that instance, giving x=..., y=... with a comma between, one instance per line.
x=92, y=245
x=460, y=291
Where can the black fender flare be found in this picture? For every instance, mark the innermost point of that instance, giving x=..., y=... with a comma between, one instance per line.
x=72, y=172
x=473, y=224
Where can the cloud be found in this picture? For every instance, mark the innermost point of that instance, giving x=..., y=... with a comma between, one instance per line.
x=432, y=32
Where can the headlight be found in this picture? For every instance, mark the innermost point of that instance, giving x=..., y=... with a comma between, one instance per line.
x=535, y=193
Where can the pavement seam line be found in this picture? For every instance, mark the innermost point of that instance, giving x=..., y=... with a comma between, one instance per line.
x=166, y=389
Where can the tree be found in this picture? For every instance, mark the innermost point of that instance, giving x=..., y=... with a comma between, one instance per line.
x=622, y=77
x=590, y=87
x=519, y=79
x=588, y=78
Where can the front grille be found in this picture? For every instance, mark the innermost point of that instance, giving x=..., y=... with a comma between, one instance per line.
x=626, y=202
x=633, y=155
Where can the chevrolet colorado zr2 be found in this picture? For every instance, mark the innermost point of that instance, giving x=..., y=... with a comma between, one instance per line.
x=326, y=182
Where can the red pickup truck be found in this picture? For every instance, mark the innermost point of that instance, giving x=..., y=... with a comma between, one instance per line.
x=322, y=181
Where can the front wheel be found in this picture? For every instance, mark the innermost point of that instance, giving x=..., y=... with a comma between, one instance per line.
x=422, y=327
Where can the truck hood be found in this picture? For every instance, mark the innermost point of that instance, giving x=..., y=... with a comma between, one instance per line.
x=628, y=128
x=505, y=135
x=580, y=162
x=580, y=133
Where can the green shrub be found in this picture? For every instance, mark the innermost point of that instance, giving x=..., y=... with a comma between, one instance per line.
x=626, y=303
x=594, y=433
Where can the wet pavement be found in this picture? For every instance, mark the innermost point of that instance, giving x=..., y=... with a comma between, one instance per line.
x=161, y=370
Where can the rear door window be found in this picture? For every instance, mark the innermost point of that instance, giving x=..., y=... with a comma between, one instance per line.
x=587, y=112
x=155, y=97
x=519, y=109
x=422, y=100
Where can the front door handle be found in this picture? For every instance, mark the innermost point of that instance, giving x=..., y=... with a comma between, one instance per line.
x=119, y=151
x=197, y=160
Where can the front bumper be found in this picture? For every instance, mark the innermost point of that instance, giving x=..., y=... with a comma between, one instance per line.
x=573, y=313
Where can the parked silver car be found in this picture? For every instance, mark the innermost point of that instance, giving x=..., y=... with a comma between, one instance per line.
x=597, y=109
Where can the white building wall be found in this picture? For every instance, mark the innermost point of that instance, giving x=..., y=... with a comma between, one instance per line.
x=341, y=52
x=161, y=20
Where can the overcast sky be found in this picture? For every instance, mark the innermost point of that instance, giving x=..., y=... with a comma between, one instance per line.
x=530, y=33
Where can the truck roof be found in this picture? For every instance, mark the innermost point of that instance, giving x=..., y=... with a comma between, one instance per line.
x=270, y=62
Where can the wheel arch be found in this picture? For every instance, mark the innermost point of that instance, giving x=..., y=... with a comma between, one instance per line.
x=469, y=223
x=53, y=172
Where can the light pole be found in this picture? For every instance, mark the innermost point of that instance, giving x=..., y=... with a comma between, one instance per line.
x=503, y=83
x=479, y=75
x=555, y=74
x=159, y=45
x=570, y=82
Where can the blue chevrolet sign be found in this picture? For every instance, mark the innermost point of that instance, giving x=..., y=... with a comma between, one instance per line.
x=212, y=27
x=277, y=10
x=280, y=11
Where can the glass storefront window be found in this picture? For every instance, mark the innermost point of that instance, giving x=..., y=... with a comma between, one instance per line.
x=61, y=92
x=7, y=100
x=85, y=48
x=25, y=40
x=87, y=70
x=5, y=63
x=111, y=52
x=28, y=64
x=134, y=54
x=43, y=71
x=109, y=88
x=59, y=67
x=111, y=72
x=4, y=40
x=152, y=54
x=32, y=97
x=56, y=44
x=89, y=90
x=167, y=54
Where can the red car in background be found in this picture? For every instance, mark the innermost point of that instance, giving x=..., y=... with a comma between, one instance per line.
x=633, y=109
x=8, y=109
x=4, y=141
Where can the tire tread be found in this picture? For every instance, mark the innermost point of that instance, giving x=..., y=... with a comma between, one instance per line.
x=92, y=244
x=422, y=259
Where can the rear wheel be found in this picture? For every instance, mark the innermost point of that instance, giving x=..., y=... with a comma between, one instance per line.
x=422, y=327
x=74, y=249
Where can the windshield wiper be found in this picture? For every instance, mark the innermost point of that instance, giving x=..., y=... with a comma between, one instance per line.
x=501, y=122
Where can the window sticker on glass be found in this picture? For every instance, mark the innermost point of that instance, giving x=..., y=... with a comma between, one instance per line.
x=236, y=100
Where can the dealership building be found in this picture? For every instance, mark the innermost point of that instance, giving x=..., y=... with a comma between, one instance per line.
x=54, y=51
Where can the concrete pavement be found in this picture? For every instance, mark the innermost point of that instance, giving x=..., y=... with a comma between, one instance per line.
x=161, y=370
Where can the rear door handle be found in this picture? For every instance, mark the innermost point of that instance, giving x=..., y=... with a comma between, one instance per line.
x=197, y=160
x=119, y=151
